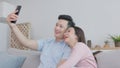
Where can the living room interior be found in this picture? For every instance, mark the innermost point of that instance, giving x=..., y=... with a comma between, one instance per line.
x=98, y=18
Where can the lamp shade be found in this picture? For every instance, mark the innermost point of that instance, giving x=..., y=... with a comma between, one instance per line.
x=5, y=9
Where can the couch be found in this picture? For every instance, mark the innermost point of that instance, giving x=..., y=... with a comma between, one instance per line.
x=16, y=58
x=105, y=59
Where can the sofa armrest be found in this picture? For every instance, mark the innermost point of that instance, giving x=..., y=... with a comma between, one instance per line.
x=108, y=59
x=32, y=57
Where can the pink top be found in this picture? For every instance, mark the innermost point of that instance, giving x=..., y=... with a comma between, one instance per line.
x=81, y=57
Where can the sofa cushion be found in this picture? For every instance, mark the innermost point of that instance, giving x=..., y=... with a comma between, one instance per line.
x=32, y=57
x=108, y=59
x=11, y=61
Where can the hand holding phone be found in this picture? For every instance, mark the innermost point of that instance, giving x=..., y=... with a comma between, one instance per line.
x=17, y=13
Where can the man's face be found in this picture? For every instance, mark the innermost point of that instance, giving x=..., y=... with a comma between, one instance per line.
x=60, y=28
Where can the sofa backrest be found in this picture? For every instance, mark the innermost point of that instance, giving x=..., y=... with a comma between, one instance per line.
x=108, y=59
x=3, y=36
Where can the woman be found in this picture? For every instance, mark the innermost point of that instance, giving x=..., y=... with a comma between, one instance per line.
x=81, y=56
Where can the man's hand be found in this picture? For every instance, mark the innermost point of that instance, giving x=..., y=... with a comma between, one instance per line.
x=12, y=17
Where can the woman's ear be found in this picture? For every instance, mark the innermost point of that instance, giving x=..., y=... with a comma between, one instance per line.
x=76, y=38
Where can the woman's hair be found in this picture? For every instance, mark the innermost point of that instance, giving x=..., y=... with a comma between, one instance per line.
x=67, y=18
x=80, y=34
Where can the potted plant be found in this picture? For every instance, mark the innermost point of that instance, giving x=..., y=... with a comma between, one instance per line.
x=116, y=39
x=106, y=45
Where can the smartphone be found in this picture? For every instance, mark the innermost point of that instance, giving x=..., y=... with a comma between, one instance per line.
x=17, y=13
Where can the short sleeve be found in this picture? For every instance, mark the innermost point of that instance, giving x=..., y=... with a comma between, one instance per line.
x=66, y=52
x=40, y=44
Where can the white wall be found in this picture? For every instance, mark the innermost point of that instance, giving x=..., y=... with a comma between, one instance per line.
x=98, y=18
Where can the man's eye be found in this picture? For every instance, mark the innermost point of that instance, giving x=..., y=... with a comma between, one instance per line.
x=57, y=24
x=61, y=26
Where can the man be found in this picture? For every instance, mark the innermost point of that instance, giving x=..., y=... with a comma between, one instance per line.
x=53, y=51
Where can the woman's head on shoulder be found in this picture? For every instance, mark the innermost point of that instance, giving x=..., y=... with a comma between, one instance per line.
x=74, y=34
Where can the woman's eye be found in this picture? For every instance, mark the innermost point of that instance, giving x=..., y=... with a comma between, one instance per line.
x=68, y=30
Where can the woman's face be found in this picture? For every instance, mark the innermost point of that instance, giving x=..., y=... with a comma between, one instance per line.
x=70, y=36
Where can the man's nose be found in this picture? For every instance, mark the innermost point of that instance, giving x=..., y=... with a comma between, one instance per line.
x=57, y=28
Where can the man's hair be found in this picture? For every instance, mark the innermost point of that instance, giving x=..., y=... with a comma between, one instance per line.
x=68, y=18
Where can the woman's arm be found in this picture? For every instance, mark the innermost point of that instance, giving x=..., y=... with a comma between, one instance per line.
x=76, y=55
x=61, y=62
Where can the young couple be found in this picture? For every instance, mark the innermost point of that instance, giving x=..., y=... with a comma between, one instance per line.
x=67, y=50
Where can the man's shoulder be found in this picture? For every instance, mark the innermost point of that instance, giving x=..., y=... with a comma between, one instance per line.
x=47, y=40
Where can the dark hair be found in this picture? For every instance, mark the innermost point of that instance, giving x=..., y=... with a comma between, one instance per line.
x=68, y=18
x=80, y=34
